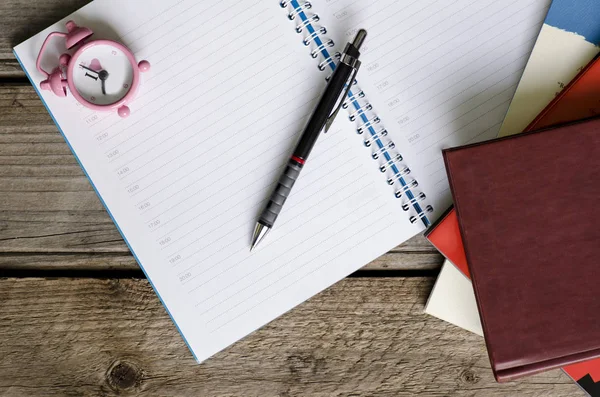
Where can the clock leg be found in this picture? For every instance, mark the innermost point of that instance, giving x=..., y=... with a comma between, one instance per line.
x=144, y=66
x=123, y=111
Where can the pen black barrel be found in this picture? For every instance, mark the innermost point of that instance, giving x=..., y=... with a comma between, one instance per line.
x=325, y=112
x=323, y=109
x=311, y=132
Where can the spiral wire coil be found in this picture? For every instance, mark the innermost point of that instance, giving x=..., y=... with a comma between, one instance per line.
x=368, y=124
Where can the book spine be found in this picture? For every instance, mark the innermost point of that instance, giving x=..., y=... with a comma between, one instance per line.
x=368, y=124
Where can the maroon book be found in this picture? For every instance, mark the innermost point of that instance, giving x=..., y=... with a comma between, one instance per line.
x=528, y=211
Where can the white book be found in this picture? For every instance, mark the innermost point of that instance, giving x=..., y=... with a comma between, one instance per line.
x=230, y=87
x=452, y=299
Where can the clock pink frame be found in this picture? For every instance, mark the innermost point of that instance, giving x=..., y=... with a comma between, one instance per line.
x=55, y=83
x=119, y=105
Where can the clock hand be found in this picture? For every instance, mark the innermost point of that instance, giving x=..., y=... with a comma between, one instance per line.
x=91, y=76
x=103, y=75
x=85, y=67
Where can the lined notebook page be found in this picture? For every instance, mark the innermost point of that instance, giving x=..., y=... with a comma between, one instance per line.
x=186, y=175
x=439, y=73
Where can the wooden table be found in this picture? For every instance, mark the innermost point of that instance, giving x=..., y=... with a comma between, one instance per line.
x=78, y=318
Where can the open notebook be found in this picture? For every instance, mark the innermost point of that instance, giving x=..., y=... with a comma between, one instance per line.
x=231, y=85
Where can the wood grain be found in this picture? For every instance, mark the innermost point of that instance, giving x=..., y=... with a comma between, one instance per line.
x=21, y=19
x=49, y=206
x=361, y=337
x=117, y=261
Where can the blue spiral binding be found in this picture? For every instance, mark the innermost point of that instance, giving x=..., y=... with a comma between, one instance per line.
x=314, y=35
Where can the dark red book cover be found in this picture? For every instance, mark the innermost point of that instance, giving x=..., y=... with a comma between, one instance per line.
x=580, y=99
x=531, y=240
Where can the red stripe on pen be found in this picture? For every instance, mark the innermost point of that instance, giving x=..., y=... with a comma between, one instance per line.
x=298, y=160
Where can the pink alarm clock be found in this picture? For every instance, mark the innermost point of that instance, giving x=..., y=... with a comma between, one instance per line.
x=101, y=74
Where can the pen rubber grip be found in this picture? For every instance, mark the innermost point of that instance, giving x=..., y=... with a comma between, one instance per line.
x=281, y=193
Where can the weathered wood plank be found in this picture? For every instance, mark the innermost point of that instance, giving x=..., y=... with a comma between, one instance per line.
x=21, y=19
x=49, y=206
x=68, y=262
x=361, y=337
x=21, y=111
x=89, y=229
x=10, y=69
x=73, y=261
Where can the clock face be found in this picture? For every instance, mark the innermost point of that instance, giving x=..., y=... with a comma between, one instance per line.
x=103, y=74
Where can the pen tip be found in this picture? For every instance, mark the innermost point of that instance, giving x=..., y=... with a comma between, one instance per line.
x=260, y=231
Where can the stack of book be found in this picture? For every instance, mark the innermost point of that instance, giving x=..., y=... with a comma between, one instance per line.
x=521, y=242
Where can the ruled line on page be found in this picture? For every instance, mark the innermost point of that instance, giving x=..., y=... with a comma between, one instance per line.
x=392, y=15
x=322, y=210
x=185, y=34
x=411, y=18
x=163, y=97
x=190, y=238
x=301, y=107
x=248, y=90
x=356, y=12
x=144, y=99
x=150, y=19
x=213, y=141
x=494, y=50
x=235, y=238
x=456, y=96
x=123, y=154
x=198, y=177
x=192, y=182
x=193, y=39
x=319, y=267
x=495, y=127
x=393, y=61
x=295, y=244
x=189, y=218
x=163, y=22
x=426, y=89
x=457, y=106
x=319, y=241
x=235, y=205
x=499, y=106
x=438, y=74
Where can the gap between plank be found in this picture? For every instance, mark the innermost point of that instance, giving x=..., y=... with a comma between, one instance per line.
x=414, y=273
x=12, y=81
x=72, y=273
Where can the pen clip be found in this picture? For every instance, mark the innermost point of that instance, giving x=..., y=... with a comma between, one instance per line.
x=333, y=115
